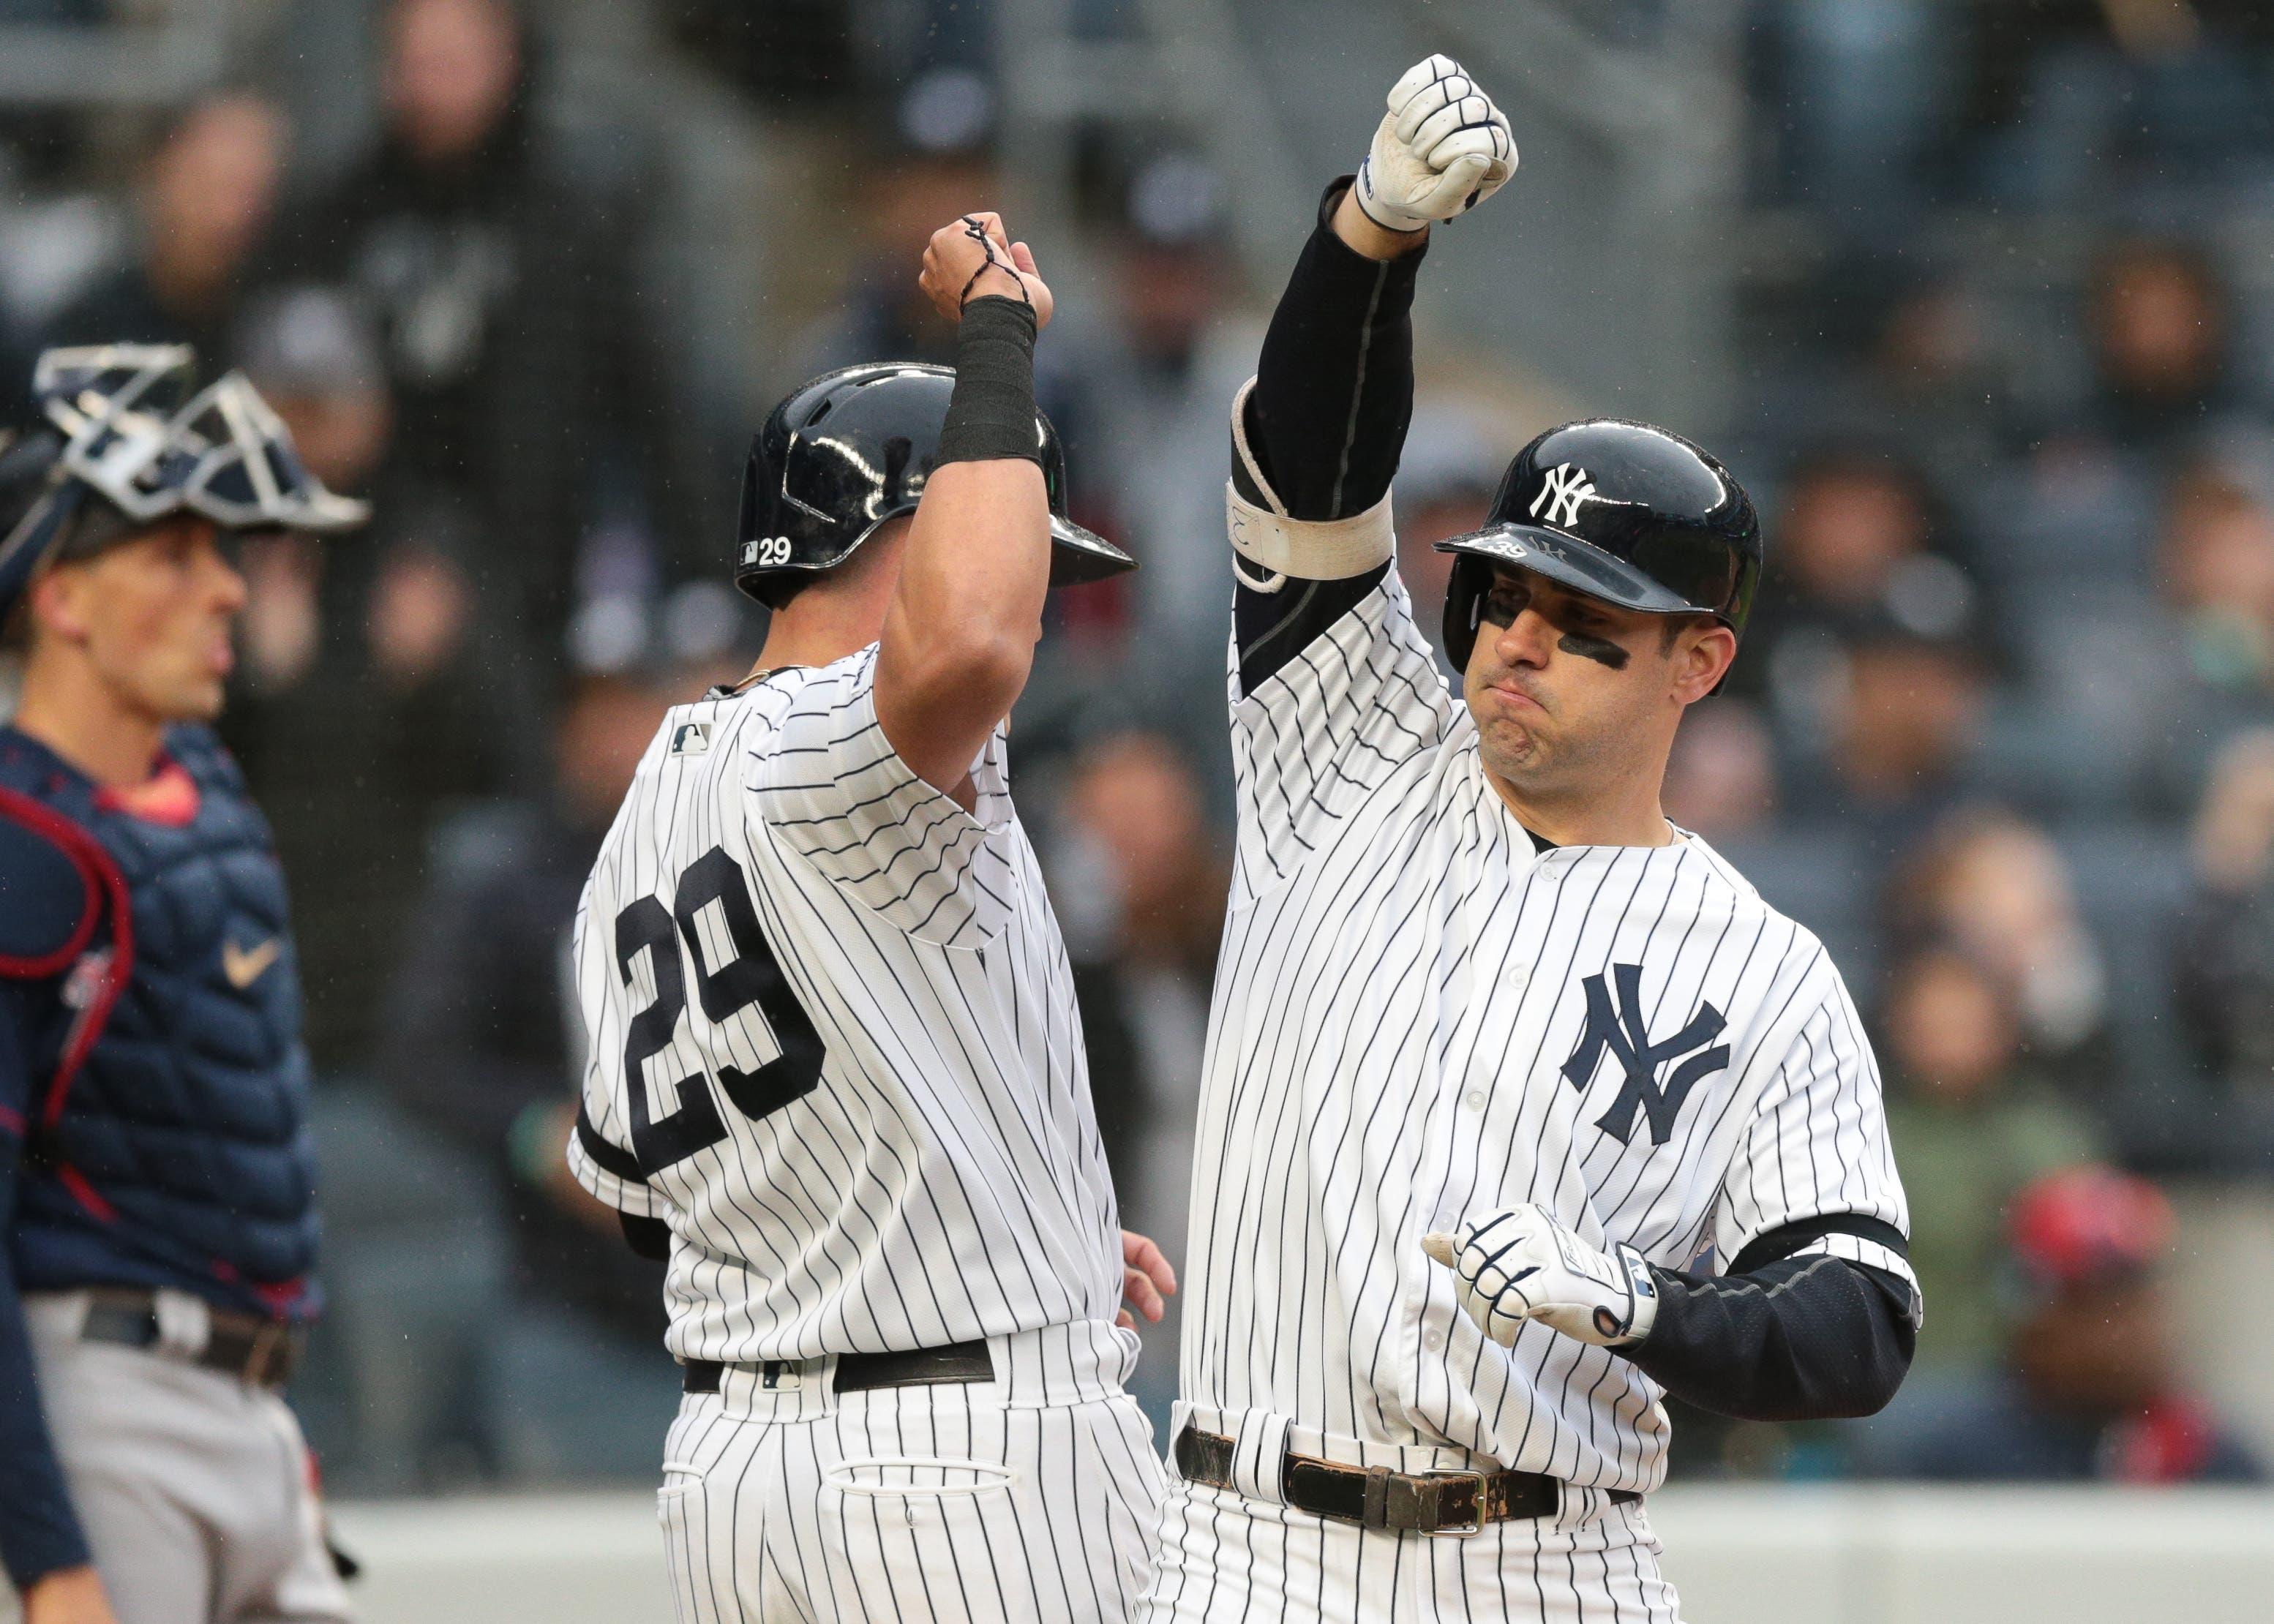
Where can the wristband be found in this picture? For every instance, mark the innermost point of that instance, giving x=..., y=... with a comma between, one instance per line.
x=991, y=414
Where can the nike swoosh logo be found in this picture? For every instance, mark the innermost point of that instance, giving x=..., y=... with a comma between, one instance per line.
x=244, y=966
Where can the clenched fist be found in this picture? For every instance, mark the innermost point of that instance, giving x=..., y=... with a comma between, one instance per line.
x=1441, y=149
x=1521, y=1264
x=972, y=259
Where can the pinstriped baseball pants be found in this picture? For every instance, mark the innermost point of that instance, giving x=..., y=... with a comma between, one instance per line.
x=1225, y=1556
x=1244, y=1553
x=953, y=1503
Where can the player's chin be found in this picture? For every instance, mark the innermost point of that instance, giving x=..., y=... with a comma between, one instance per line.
x=195, y=696
x=1509, y=747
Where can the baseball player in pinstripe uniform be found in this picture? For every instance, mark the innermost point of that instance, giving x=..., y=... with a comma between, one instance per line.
x=1522, y=1109
x=837, y=1074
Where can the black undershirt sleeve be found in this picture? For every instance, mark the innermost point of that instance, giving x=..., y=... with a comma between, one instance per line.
x=1327, y=421
x=1780, y=1338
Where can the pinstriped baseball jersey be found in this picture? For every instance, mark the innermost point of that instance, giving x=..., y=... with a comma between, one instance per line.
x=1419, y=1015
x=833, y=1041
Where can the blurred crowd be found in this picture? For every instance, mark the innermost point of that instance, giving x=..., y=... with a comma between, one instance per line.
x=2003, y=733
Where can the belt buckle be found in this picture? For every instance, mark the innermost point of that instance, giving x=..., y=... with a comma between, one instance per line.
x=1421, y=1496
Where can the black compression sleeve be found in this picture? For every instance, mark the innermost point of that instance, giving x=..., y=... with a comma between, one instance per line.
x=1334, y=389
x=1799, y=1339
x=1334, y=392
x=991, y=413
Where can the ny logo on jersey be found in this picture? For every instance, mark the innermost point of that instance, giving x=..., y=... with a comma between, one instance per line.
x=1566, y=486
x=1617, y=1025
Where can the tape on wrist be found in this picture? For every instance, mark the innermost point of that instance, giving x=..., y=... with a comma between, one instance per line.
x=991, y=415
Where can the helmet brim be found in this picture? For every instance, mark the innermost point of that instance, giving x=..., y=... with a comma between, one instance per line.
x=1079, y=556
x=1569, y=562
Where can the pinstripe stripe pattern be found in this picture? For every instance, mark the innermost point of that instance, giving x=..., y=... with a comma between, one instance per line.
x=946, y=1503
x=1398, y=997
x=1225, y=1556
x=943, y=1181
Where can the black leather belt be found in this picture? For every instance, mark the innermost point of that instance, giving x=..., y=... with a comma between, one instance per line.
x=862, y=1372
x=255, y=1351
x=1437, y=1503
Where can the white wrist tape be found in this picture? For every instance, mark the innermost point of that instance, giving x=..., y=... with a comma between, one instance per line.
x=1306, y=549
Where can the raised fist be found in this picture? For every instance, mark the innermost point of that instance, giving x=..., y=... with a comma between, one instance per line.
x=972, y=258
x=1441, y=149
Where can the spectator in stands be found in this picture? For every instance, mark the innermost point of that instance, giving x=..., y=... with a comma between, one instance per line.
x=207, y=193
x=2218, y=576
x=484, y=1045
x=2223, y=961
x=1970, y=1126
x=2205, y=669
x=2160, y=324
x=2089, y=1390
x=1139, y=882
x=1181, y=351
x=1452, y=463
x=1900, y=711
x=1721, y=781
x=935, y=158
x=523, y=368
x=369, y=700
x=1854, y=546
x=1996, y=887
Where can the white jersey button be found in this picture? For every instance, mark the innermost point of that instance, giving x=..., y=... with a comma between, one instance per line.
x=1476, y=1099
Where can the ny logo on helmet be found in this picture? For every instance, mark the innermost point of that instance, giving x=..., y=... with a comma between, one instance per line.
x=1565, y=487
x=1617, y=1025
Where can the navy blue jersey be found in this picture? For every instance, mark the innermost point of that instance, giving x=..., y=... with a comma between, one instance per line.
x=161, y=1082
x=152, y=1086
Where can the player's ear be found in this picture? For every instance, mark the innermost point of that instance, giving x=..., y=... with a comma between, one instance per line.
x=55, y=602
x=1703, y=653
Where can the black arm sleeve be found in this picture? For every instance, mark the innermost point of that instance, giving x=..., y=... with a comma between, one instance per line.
x=1334, y=393
x=1790, y=1339
x=39, y=1529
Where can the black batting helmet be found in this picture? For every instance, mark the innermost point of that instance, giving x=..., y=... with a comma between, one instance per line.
x=1620, y=511
x=854, y=448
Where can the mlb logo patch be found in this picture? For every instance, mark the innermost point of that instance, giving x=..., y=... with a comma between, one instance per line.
x=690, y=738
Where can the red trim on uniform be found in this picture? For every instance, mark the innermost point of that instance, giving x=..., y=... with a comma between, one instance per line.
x=282, y=1294
x=11, y=1121
x=95, y=863
x=168, y=796
x=115, y=975
x=85, y=1194
x=60, y=831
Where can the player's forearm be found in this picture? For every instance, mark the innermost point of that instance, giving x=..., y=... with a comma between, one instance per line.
x=960, y=637
x=39, y=1531
x=1802, y=1339
x=1334, y=386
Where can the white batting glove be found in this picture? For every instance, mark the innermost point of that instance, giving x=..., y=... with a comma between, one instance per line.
x=1441, y=149
x=1521, y=1264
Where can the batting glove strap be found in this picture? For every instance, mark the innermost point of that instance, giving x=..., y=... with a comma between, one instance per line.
x=1441, y=149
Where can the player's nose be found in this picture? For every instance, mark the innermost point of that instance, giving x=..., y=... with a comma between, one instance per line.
x=1526, y=640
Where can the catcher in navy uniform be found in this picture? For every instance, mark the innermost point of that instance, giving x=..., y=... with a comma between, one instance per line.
x=156, y=1167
